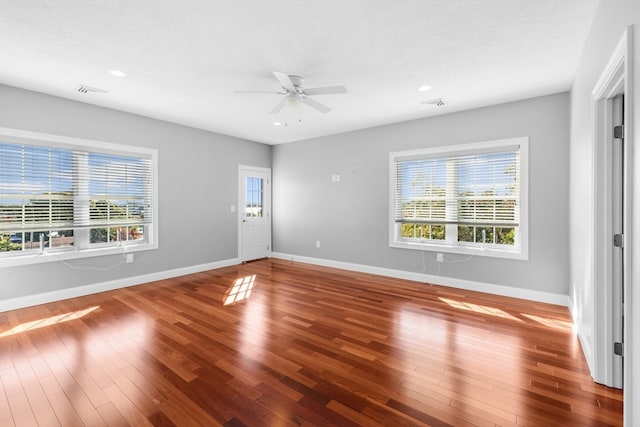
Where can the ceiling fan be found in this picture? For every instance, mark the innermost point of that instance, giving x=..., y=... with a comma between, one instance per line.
x=295, y=94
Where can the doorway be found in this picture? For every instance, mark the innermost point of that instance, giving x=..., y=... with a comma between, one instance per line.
x=611, y=196
x=254, y=213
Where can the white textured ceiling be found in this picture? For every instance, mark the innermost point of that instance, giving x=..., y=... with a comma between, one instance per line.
x=184, y=59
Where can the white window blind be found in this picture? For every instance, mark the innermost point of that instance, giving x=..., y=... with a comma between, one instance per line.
x=469, y=199
x=43, y=188
x=481, y=189
x=119, y=190
x=36, y=188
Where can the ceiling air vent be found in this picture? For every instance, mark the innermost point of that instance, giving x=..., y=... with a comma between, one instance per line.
x=437, y=101
x=84, y=89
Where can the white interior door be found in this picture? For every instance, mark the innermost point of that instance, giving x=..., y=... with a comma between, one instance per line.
x=254, y=213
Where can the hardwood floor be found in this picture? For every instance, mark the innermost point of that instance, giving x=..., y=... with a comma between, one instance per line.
x=297, y=345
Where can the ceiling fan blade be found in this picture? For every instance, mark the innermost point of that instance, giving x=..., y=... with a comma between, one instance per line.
x=315, y=104
x=279, y=106
x=284, y=80
x=329, y=90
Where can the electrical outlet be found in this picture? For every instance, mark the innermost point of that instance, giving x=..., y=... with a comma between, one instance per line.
x=129, y=258
x=440, y=257
x=317, y=243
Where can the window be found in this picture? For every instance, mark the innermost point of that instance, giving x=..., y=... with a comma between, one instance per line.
x=464, y=199
x=73, y=198
x=254, y=197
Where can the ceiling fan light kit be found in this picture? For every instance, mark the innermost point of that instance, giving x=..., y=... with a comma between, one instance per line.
x=292, y=101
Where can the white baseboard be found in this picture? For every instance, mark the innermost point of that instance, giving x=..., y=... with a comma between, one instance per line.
x=588, y=354
x=45, y=297
x=489, y=288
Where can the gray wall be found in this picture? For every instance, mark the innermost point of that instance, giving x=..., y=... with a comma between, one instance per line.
x=198, y=173
x=350, y=218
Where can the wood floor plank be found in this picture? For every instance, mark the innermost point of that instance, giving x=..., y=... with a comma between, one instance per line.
x=127, y=408
x=64, y=409
x=17, y=399
x=111, y=416
x=40, y=406
x=6, y=419
x=310, y=346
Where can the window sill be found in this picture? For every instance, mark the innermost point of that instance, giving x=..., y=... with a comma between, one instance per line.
x=67, y=255
x=463, y=250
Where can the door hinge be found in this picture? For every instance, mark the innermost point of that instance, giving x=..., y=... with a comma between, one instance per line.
x=618, y=132
x=618, y=348
x=618, y=240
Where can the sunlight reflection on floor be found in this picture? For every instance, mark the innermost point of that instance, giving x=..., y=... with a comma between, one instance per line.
x=477, y=308
x=552, y=323
x=492, y=311
x=53, y=320
x=240, y=290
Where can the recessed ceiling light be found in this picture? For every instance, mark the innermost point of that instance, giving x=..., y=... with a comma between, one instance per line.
x=424, y=88
x=117, y=73
x=277, y=123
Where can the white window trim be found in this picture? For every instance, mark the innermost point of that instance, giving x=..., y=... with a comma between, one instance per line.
x=64, y=254
x=520, y=253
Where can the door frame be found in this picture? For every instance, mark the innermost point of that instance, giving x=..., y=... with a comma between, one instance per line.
x=615, y=80
x=266, y=205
